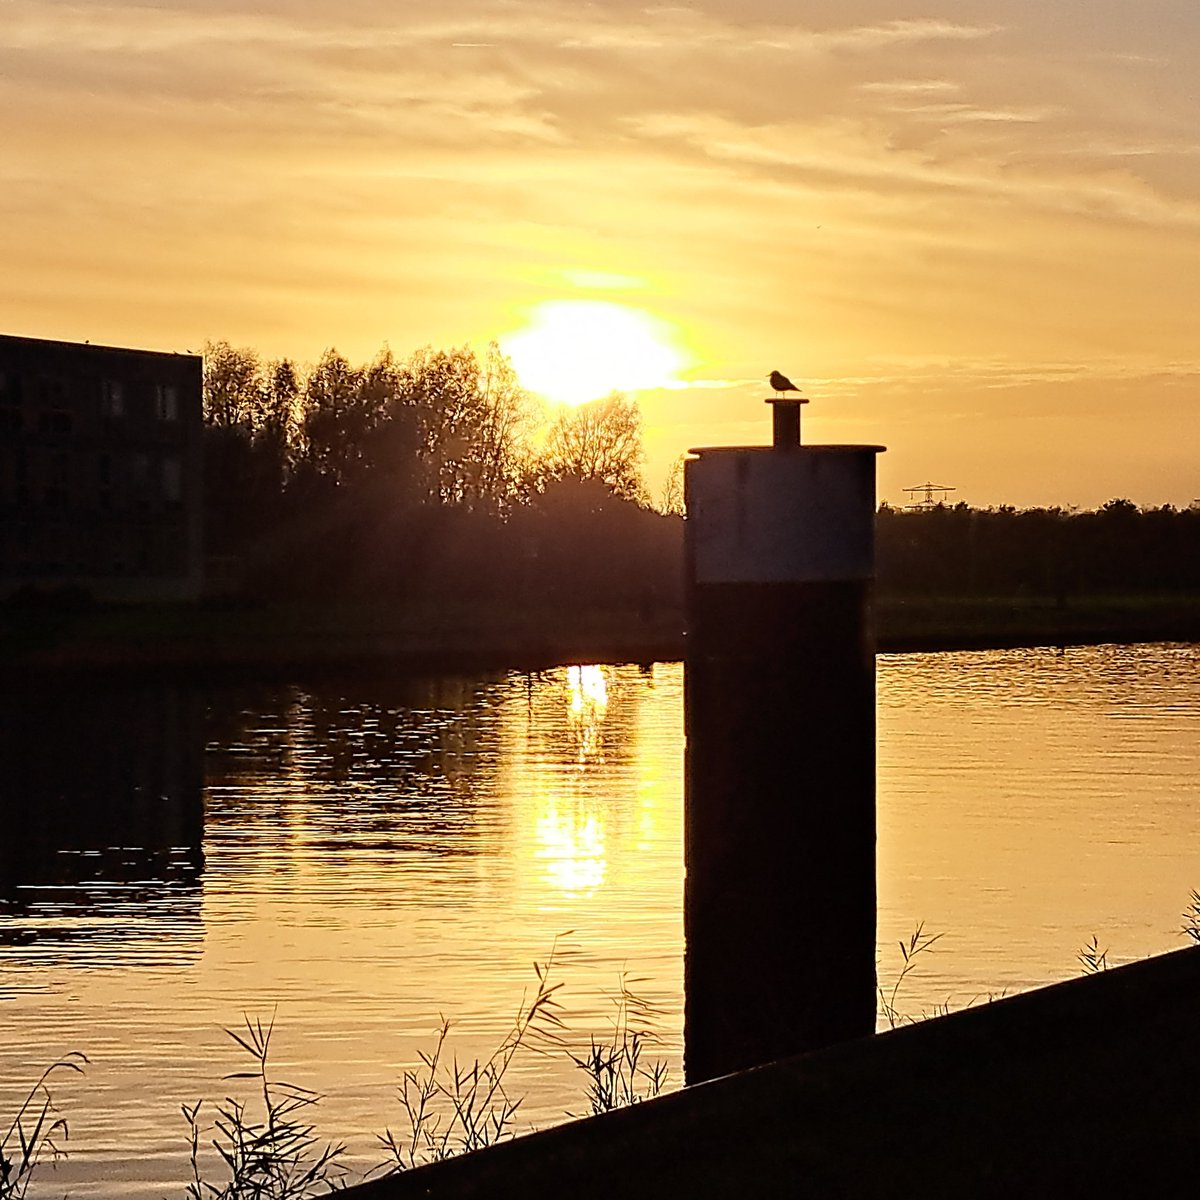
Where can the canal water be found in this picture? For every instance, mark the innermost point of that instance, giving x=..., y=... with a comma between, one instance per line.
x=359, y=860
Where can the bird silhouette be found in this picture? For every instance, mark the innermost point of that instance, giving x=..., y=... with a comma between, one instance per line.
x=781, y=383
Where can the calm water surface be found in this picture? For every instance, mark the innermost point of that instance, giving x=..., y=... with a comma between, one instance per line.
x=362, y=858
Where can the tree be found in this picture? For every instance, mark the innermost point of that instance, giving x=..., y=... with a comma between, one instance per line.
x=506, y=418
x=238, y=490
x=671, y=503
x=601, y=440
x=253, y=402
x=472, y=418
x=442, y=387
x=233, y=386
x=275, y=430
x=281, y=398
x=334, y=420
x=390, y=450
x=442, y=427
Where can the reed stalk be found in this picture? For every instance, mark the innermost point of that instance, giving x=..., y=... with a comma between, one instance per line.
x=38, y=1131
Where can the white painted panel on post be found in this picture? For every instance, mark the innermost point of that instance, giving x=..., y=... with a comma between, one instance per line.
x=759, y=515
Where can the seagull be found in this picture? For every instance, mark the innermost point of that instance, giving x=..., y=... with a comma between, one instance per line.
x=781, y=383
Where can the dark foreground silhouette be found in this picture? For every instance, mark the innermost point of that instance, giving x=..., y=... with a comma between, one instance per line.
x=1085, y=1088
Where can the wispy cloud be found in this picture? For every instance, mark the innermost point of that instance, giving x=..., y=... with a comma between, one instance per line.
x=910, y=87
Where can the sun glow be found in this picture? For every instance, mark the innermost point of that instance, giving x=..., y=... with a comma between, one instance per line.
x=573, y=351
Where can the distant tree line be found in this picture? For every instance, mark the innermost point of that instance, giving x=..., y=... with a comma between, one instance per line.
x=426, y=477
x=1050, y=552
x=437, y=477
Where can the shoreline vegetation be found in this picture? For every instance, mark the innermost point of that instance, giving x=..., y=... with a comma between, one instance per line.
x=272, y=638
x=260, y=1141
x=267, y=1144
x=425, y=514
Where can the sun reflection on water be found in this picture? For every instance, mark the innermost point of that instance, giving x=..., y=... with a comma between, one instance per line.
x=571, y=848
x=587, y=697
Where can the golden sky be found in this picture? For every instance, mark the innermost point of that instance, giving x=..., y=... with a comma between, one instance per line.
x=971, y=230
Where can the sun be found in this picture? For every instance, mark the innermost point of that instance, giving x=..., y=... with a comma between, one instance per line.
x=573, y=351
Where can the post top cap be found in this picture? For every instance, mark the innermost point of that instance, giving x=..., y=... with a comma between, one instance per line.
x=807, y=448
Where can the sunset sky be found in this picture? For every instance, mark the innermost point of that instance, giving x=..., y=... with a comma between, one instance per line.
x=971, y=231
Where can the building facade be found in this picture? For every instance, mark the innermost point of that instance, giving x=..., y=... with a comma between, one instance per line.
x=100, y=470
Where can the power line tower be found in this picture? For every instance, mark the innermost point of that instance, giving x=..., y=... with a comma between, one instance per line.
x=932, y=494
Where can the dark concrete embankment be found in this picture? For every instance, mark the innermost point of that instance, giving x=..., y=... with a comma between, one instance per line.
x=1088, y=1088
x=283, y=640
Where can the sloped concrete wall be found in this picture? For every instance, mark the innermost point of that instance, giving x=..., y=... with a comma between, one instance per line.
x=1088, y=1087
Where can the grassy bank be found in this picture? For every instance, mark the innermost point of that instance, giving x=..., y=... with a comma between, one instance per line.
x=274, y=639
x=962, y=623
x=279, y=639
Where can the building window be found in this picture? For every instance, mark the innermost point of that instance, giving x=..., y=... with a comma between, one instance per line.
x=21, y=475
x=104, y=474
x=54, y=421
x=112, y=398
x=172, y=478
x=55, y=415
x=52, y=391
x=141, y=479
x=166, y=401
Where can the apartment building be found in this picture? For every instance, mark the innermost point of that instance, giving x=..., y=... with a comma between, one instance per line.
x=100, y=470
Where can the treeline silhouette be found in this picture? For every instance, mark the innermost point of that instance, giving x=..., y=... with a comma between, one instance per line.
x=430, y=478
x=1117, y=549
x=436, y=478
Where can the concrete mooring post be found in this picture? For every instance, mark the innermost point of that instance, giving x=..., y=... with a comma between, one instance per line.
x=780, y=791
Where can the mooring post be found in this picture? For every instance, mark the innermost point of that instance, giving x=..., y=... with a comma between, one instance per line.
x=780, y=790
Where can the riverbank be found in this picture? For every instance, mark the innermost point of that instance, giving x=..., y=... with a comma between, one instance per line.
x=266, y=640
x=1080, y=1089
x=988, y=623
